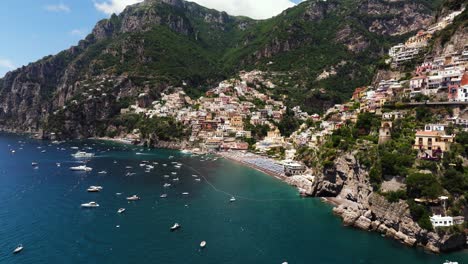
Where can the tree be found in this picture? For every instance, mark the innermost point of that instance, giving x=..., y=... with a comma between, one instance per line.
x=423, y=185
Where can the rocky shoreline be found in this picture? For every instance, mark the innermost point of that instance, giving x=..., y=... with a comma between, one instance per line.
x=346, y=186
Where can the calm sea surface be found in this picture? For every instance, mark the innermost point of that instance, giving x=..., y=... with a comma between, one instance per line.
x=269, y=223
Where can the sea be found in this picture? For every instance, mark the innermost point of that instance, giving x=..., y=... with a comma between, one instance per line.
x=268, y=222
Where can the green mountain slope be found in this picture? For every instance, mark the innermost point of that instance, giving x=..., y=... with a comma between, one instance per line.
x=161, y=43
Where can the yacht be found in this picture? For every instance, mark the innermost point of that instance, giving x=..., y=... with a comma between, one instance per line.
x=82, y=154
x=121, y=210
x=133, y=198
x=203, y=244
x=18, y=249
x=94, y=188
x=90, y=205
x=163, y=196
x=175, y=227
x=81, y=168
x=233, y=199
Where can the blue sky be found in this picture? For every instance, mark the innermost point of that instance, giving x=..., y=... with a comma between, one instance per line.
x=32, y=29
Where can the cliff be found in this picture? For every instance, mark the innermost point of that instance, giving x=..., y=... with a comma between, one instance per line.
x=347, y=183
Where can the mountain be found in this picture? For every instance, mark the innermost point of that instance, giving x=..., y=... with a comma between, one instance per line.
x=161, y=43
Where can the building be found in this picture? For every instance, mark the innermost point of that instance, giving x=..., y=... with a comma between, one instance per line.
x=292, y=168
x=432, y=143
x=441, y=221
x=385, y=132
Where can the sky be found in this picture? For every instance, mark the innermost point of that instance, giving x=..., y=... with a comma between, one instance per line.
x=33, y=29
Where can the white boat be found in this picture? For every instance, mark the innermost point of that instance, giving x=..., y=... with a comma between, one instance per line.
x=233, y=199
x=82, y=154
x=197, y=179
x=133, y=198
x=18, y=249
x=175, y=179
x=163, y=196
x=175, y=227
x=174, y=173
x=34, y=164
x=171, y=157
x=75, y=148
x=81, y=168
x=450, y=262
x=121, y=210
x=58, y=164
x=102, y=172
x=203, y=244
x=185, y=193
x=94, y=189
x=90, y=205
x=166, y=185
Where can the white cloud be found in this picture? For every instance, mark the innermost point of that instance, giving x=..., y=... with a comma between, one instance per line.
x=259, y=9
x=7, y=64
x=78, y=33
x=114, y=6
x=58, y=8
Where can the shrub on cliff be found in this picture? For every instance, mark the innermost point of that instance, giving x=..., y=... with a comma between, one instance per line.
x=423, y=185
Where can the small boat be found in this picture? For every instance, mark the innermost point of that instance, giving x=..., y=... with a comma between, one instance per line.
x=129, y=167
x=175, y=179
x=121, y=210
x=164, y=165
x=163, y=196
x=233, y=199
x=195, y=176
x=133, y=198
x=174, y=173
x=118, y=193
x=58, y=164
x=34, y=164
x=203, y=244
x=102, y=172
x=90, y=205
x=197, y=179
x=44, y=151
x=13, y=151
x=185, y=193
x=94, y=189
x=166, y=185
x=82, y=154
x=450, y=262
x=166, y=176
x=175, y=227
x=75, y=148
x=81, y=168
x=18, y=249
x=171, y=157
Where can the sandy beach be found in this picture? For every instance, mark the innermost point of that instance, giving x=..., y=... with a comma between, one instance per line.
x=260, y=163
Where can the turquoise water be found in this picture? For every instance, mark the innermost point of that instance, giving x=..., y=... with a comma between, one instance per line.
x=268, y=223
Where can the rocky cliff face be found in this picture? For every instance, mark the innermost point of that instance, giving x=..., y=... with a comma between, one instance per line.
x=358, y=206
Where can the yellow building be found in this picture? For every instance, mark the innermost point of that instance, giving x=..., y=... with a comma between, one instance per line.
x=432, y=143
x=237, y=123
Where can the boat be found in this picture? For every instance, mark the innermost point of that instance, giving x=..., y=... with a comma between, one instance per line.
x=121, y=210
x=94, y=189
x=185, y=193
x=34, y=164
x=175, y=227
x=163, y=196
x=203, y=244
x=166, y=176
x=118, y=193
x=171, y=157
x=166, y=185
x=102, y=172
x=233, y=199
x=133, y=198
x=82, y=154
x=81, y=168
x=18, y=249
x=175, y=179
x=90, y=205
x=174, y=173
x=450, y=262
x=58, y=164
x=197, y=179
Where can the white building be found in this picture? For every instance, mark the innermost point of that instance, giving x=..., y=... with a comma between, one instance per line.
x=441, y=221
